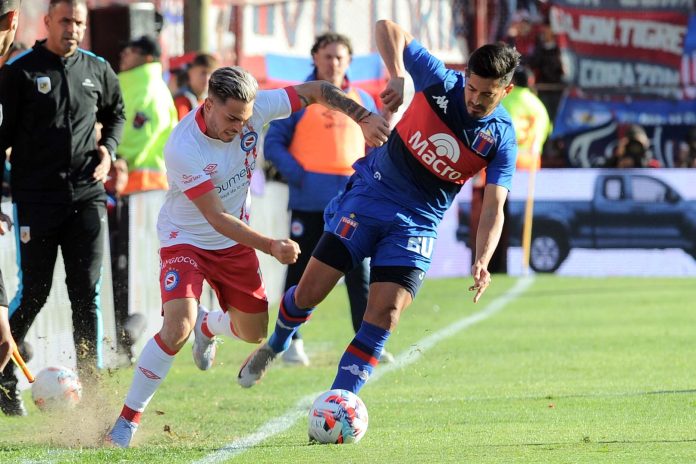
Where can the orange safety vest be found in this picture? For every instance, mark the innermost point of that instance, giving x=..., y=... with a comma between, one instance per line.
x=328, y=141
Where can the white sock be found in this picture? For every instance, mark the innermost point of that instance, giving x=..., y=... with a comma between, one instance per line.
x=151, y=369
x=219, y=323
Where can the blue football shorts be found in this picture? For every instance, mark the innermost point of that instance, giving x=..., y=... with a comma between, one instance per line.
x=369, y=224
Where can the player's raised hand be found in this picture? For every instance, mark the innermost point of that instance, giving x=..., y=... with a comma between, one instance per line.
x=482, y=279
x=285, y=250
x=393, y=95
x=375, y=129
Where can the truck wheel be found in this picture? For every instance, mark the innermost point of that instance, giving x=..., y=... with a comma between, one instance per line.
x=548, y=251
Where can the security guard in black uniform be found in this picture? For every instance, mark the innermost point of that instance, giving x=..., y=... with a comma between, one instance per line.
x=52, y=96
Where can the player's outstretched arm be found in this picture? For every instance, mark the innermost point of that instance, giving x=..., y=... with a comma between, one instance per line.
x=391, y=41
x=284, y=250
x=487, y=236
x=374, y=127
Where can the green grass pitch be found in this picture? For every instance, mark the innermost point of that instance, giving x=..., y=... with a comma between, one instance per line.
x=568, y=371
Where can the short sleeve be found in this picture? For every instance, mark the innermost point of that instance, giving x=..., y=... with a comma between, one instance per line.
x=424, y=68
x=273, y=104
x=185, y=170
x=501, y=169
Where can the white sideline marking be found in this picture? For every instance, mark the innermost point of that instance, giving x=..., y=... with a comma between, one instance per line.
x=282, y=423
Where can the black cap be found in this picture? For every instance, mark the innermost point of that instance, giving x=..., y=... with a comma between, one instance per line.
x=147, y=45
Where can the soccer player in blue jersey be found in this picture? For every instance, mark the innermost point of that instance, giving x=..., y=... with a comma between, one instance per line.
x=394, y=202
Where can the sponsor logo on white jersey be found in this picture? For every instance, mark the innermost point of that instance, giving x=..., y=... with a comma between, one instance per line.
x=355, y=370
x=441, y=102
x=437, y=152
x=190, y=178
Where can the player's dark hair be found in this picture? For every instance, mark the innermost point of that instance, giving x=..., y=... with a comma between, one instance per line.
x=329, y=38
x=494, y=61
x=53, y=3
x=205, y=60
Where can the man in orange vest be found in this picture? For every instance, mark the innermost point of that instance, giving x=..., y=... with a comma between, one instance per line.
x=314, y=150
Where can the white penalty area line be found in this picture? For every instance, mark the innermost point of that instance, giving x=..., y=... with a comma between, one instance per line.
x=282, y=423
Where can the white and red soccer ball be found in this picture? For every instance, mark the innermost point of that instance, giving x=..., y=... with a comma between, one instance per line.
x=337, y=416
x=56, y=387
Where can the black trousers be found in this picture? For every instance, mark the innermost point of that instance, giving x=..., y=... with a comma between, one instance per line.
x=118, y=242
x=306, y=228
x=77, y=229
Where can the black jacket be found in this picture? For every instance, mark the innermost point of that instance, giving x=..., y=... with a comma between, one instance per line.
x=49, y=107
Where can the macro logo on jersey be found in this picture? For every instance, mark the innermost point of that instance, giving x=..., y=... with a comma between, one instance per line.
x=210, y=169
x=43, y=84
x=346, y=227
x=435, y=151
x=483, y=143
x=249, y=140
x=171, y=280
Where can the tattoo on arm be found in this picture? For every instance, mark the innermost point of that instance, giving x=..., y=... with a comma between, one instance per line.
x=337, y=99
x=305, y=101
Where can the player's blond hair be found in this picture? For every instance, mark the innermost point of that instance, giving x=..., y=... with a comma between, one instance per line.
x=232, y=82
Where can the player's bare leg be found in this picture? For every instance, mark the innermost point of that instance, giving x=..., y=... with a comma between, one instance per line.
x=153, y=365
x=295, y=309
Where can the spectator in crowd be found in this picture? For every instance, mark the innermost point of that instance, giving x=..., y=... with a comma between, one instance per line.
x=314, y=150
x=194, y=91
x=686, y=154
x=633, y=150
x=9, y=18
x=150, y=118
x=549, y=69
x=529, y=117
x=150, y=115
x=52, y=98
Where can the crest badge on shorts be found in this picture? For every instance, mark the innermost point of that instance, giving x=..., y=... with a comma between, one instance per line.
x=171, y=280
x=43, y=84
x=346, y=227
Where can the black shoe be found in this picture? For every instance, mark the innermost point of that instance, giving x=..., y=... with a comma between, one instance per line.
x=11, y=402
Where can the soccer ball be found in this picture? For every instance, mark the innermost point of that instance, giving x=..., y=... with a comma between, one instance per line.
x=56, y=387
x=337, y=416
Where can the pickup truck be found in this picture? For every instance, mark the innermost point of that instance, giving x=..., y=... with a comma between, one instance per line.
x=627, y=210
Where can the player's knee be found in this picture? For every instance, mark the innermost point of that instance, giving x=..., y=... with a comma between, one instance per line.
x=254, y=330
x=306, y=298
x=253, y=335
x=175, y=336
